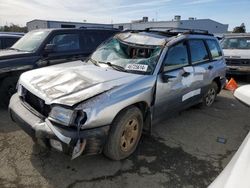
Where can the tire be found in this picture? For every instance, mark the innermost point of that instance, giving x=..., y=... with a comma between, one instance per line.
x=124, y=135
x=211, y=94
x=8, y=88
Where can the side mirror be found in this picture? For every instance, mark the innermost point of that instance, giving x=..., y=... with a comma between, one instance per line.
x=166, y=78
x=49, y=48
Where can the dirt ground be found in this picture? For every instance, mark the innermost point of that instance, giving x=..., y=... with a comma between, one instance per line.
x=188, y=150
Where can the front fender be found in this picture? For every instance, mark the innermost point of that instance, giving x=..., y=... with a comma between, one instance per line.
x=102, y=109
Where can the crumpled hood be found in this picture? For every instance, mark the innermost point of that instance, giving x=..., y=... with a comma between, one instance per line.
x=7, y=54
x=236, y=54
x=71, y=83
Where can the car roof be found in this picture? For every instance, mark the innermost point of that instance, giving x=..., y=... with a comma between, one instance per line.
x=77, y=29
x=160, y=37
x=2, y=35
x=12, y=33
x=236, y=35
x=142, y=38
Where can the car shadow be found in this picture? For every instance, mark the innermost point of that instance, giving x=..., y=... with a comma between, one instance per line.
x=6, y=124
x=152, y=157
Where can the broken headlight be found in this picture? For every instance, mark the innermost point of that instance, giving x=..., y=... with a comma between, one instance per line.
x=67, y=117
x=62, y=115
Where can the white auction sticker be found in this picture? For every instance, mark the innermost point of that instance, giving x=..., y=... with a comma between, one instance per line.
x=137, y=67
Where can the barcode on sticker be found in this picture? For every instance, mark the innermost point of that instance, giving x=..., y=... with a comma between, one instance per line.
x=137, y=67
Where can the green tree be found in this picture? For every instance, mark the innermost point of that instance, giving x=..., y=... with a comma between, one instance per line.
x=240, y=29
x=13, y=28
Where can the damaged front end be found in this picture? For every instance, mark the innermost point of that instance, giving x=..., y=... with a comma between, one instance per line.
x=60, y=130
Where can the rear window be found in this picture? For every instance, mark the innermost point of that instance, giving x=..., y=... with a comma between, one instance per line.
x=214, y=48
x=10, y=41
x=198, y=51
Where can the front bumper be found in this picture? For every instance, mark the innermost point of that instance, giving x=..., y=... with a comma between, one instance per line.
x=238, y=70
x=44, y=130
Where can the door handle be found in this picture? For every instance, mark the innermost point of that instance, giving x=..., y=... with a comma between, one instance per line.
x=210, y=67
x=186, y=74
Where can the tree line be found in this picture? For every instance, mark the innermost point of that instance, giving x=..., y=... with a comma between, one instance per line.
x=13, y=28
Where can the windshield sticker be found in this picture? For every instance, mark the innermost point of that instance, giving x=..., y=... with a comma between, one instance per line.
x=248, y=41
x=137, y=67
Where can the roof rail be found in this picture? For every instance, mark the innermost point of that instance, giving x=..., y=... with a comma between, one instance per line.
x=97, y=27
x=176, y=30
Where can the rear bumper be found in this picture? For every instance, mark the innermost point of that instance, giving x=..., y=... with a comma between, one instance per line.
x=238, y=70
x=44, y=130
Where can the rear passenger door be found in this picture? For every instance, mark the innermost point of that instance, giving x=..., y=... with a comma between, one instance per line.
x=204, y=55
x=202, y=66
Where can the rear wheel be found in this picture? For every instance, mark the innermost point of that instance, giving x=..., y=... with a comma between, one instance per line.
x=210, y=95
x=125, y=134
x=8, y=88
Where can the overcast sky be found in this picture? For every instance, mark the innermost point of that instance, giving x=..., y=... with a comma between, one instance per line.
x=103, y=11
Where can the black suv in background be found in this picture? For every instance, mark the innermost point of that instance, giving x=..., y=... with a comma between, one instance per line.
x=46, y=47
x=7, y=39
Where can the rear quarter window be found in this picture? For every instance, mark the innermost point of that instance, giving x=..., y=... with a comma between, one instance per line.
x=214, y=49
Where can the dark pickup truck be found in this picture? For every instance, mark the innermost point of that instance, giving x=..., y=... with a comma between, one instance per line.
x=46, y=47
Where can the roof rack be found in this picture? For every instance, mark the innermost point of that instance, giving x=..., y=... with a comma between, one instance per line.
x=175, y=30
x=97, y=27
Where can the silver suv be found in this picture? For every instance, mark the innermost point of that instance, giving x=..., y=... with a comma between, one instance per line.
x=127, y=85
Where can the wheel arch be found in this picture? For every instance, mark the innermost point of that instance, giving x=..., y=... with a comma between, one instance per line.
x=146, y=113
x=217, y=81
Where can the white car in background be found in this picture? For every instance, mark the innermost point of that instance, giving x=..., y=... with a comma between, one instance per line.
x=236, y=48
x=237, y=172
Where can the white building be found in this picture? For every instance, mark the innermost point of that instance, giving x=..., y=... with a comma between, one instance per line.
x=43, y=24
x=204, y=24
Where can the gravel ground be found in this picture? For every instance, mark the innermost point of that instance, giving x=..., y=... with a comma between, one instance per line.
x=182, y=152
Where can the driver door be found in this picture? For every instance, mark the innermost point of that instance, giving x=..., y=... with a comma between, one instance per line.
x=66, y=47
x=174, y=83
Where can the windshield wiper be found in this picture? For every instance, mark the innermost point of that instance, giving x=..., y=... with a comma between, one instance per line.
x=116, y=67
x=94, y=62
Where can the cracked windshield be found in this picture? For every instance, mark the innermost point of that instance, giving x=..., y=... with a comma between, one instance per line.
x=128, y=57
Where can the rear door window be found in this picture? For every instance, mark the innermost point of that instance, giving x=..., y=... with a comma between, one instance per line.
x=214, y=48
x=1, y=45
x=198, y=51
x=66, y=42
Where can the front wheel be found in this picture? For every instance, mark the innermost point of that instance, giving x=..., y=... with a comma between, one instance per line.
x=210, y=95
x=125, y=134
x=8, y=88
